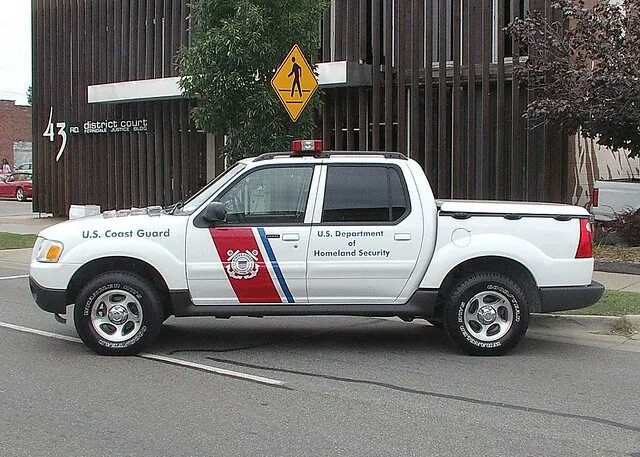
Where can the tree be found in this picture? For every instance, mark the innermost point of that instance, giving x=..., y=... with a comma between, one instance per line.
x=30, y=95
x=236, y=47
x=584, y=71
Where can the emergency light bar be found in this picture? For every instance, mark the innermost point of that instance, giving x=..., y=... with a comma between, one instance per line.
x=306, y=146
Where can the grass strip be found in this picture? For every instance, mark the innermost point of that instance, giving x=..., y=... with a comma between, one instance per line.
x=16, y=240
x=612, y=303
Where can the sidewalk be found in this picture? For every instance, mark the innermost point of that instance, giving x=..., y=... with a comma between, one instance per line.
x=618, y=281
x=17, y=217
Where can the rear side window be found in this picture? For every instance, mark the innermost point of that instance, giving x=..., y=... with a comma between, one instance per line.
x=364, y=194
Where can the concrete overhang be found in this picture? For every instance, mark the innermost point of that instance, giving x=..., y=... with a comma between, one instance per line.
x=330, y=74
x=135, y=91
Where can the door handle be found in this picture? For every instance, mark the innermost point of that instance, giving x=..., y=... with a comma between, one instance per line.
x=290, y=237
x=402, y=237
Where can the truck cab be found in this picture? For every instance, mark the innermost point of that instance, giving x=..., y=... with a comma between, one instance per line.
x=312, y=232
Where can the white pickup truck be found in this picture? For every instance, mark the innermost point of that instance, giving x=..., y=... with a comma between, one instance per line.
x=612, y=198
x=318, y=233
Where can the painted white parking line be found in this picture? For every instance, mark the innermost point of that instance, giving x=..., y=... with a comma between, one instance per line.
x=222, y=371
x=14, y=277
x=158, y=358
x=40, y=332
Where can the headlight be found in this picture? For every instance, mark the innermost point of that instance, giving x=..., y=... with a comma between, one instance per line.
x=48, y=251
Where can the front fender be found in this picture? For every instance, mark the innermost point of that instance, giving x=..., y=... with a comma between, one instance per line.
x=168, y=260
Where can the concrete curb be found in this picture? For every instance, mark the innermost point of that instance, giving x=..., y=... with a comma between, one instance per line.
x=634, y=318
x=594, y=331
x=579, y=326
x=628, y=268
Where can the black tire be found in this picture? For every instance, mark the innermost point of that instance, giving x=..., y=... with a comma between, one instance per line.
x=518, y=299
x=148, y=300
x=20, y=196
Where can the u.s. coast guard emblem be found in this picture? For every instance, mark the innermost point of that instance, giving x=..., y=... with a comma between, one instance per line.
x=242, y=264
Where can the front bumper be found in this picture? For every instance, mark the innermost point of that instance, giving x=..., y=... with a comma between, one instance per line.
x=50, y=300
x=574, y=297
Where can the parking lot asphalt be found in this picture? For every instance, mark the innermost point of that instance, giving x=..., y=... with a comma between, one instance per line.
x=308, y=385
x=322, y=386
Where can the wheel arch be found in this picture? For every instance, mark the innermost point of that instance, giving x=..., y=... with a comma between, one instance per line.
x=495, y=264
x=120, y=263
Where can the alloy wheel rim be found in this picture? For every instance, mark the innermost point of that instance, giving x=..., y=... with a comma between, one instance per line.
x=116, y=316
x=488, y=316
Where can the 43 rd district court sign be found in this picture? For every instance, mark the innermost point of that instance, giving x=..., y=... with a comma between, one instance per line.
x=294, y=82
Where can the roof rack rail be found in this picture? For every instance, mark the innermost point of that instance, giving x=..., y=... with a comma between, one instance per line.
x=328, y=154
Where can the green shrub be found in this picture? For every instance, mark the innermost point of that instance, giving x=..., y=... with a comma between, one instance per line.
x=627, y=227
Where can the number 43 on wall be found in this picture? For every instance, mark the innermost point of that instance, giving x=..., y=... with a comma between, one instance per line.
x=50, y=132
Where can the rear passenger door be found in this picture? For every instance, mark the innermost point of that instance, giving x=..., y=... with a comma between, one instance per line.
x=365, y=238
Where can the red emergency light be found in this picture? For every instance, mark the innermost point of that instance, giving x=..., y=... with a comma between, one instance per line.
x=306, y=146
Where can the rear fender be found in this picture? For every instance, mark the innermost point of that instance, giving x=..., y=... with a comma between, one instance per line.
x=545, y=270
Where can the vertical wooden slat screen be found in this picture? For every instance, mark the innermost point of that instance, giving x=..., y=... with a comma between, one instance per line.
x=376, y=41
x=416, y=65
x=78, y=43
x=471, y=17
x=516, y=131
x=486, y=174
x=501, y=166
x=457, y=165
x=388, y=75
x=363, y=128
x=444, y=164
x=430, y=154
x=401, y=85
x=463, y=118
x=442, y=91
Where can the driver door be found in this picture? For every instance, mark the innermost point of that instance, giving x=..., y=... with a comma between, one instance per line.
x=258, y=256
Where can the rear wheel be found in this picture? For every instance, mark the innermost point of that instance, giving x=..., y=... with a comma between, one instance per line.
x=118, y=313
x=20, y=196
x=487, y=314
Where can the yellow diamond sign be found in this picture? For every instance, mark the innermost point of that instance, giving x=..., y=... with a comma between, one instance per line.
x=294, y=82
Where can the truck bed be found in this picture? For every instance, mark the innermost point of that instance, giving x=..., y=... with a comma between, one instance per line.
x=502, y=208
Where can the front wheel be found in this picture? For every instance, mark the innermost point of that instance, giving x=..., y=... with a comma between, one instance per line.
x=20, y=196
x=118, y=313
x=487, y=314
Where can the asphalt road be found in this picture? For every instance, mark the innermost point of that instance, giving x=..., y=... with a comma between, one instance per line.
x=348, y=386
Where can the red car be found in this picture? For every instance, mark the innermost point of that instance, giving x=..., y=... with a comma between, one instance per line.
x=16, y=185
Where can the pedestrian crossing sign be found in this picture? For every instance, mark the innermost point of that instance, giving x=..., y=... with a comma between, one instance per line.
x=294, y=82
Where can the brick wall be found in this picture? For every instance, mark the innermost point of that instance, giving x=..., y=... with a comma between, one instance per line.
x=15, y=125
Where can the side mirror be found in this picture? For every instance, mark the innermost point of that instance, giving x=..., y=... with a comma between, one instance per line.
x=215, y=213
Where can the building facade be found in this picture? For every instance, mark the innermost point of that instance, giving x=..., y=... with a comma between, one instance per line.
x=429, y=78
x=15, y=133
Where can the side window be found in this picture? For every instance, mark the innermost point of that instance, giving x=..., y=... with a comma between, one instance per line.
x=364, y=194
x=275, y=195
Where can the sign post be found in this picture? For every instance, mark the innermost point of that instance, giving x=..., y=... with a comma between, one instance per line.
x=294, y=82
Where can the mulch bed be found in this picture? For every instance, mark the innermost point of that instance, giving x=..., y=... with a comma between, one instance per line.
x=617, y=259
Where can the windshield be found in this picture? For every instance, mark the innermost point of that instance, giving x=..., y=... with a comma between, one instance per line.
x=211, y=188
